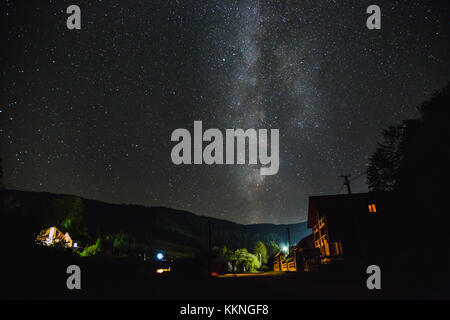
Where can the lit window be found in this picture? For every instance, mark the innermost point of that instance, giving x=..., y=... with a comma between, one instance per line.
x=372, y=208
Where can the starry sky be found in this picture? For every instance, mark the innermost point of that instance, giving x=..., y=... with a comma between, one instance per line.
x=90, y=112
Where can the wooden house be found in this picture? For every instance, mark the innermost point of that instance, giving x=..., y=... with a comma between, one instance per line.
x=351, y=228
x=54, y=237
x=286, y=261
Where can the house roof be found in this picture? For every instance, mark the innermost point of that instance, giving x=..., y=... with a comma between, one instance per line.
x=342, y=205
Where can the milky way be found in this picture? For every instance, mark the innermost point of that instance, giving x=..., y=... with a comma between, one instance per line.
x=90, y=112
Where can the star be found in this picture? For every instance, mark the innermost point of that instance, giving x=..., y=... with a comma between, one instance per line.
x=90, y=112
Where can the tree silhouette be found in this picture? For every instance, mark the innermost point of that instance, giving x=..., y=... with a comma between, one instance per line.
x=414, y=156
x=1, y=175
x=384, y=164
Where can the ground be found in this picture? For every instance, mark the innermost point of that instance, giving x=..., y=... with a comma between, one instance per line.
x=125, y=279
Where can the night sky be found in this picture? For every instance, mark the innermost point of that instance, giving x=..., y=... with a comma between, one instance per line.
x=91, y=112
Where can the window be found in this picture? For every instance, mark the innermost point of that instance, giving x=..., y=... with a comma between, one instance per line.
x=372, y=208
x=338, y=248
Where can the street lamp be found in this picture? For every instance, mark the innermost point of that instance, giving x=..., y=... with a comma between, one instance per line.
x=159, y=256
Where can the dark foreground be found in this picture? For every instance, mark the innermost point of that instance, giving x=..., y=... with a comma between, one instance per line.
x=45, y=278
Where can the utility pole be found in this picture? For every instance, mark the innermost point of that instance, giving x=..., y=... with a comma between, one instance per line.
x=289, y=238
x=347, y=182
x=209, y=247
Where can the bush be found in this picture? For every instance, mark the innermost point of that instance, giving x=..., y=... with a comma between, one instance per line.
x=92, y=250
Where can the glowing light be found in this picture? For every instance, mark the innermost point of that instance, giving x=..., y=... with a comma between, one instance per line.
x=159, y=256
x=285, y=249
x=161, y=270
x=51, y=235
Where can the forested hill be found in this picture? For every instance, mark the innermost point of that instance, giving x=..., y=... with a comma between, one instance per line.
x=134, y=227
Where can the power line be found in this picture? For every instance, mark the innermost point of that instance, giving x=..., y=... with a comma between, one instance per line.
x=357, y=177
x=347, y=182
